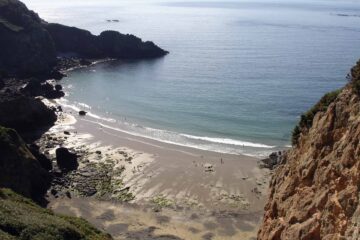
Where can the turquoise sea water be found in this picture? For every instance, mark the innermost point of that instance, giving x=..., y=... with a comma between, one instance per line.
x=237, y=78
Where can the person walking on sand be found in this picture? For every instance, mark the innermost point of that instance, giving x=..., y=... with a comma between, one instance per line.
x=221, y=160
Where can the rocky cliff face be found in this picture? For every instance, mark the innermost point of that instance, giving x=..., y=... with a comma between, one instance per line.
x=25, y=113
x=26, y=46
x=108, y=44
x=19, y=169
x=29, y=45
x=314, y=193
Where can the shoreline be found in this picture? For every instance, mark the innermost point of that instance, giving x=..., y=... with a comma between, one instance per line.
x=170, y=180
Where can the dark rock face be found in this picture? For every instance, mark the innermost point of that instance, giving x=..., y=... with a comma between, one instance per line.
x=36, y=88
x=25, y=113
x=29, y=45
x=116, y=45
x=66, y=160
x=26, y=46
x=73, y=40
x=2, y=84
x=108, y=44
x=19, y=169
x=43, y=160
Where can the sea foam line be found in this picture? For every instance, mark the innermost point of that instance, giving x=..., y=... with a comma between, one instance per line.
x=228, y=141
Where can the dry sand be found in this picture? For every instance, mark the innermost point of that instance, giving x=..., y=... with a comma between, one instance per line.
x=180, y=192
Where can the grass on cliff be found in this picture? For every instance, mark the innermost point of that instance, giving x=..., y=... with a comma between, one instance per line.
x=307, y=118
x=355, y=77
x=22, y=219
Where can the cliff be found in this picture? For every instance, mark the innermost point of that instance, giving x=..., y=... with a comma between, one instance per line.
x=26, y=47
x=20, y=170
x=315, y=191
x=72, y=40
x=30, y=46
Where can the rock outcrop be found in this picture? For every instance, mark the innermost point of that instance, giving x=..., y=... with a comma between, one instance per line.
x=315, y=191
x=75, y=41
x=36, y=87
x=29, y=45
x=20, y=170
x=25, y=113
x=26, y=47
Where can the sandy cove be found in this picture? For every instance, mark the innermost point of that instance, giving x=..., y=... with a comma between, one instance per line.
x=138, y=188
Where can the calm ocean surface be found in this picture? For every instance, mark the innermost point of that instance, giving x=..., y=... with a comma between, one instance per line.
x=237, y=78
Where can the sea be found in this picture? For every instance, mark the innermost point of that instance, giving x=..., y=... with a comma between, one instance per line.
x=238, y=76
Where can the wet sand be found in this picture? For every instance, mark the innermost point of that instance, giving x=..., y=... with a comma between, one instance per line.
x=178, y=191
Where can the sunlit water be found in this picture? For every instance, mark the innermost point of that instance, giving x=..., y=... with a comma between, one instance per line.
x=237, y=78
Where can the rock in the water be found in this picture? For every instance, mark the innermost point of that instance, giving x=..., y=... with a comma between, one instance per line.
x=82, y=113
x=65, y=159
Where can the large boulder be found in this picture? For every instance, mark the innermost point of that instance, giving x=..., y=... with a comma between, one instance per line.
x=66, y=160
x=19, y=169
x=25, y=113
x=26, y=46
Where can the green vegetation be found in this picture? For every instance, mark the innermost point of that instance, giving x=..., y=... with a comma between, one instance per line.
x=355, y=77
x=22, y=219
x=307, y=118
x=161, y=201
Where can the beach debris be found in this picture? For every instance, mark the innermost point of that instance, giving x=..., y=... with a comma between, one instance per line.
x=82, y=113
x=209, y=167
x=66, y=132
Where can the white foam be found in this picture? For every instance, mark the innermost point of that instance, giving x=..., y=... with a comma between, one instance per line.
x=228, y=141
x=207, y=147
x=63, y=102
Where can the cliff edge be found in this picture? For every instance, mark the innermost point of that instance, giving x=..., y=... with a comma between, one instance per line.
x=315, y=191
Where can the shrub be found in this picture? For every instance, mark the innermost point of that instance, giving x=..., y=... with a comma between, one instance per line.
x=307, y=118
x=355, y=77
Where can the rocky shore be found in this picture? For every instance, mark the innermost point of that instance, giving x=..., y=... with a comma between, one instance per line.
x=35, y=56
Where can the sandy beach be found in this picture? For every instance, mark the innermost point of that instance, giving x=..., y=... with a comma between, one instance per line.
x=137, y=188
